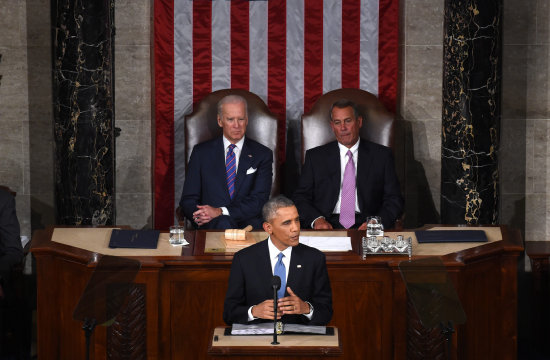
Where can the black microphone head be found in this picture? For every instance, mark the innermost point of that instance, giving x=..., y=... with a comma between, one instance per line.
x=276, y=282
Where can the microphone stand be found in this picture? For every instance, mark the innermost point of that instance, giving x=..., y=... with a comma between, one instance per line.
x=274, y=342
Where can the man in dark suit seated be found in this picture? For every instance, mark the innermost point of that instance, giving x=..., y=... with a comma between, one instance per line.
x=11, y=251
x=305, y=296
x=229, y=178
x=345, y=181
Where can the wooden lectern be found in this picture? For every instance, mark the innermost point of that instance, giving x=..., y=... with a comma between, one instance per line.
x=300, y=346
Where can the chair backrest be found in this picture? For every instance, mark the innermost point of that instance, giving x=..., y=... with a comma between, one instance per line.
x=377, y=121
x=202, y=125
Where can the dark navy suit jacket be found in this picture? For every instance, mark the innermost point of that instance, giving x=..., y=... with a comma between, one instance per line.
x=378, y=190
x=250, y=284
x=205, y=181
x=11, y=251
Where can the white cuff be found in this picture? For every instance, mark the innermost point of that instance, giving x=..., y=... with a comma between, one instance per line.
x=317, y=218
x=250, y=316
x=224, y=211
x=310, y=314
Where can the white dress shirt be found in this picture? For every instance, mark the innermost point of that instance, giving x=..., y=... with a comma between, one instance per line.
x=343, y=161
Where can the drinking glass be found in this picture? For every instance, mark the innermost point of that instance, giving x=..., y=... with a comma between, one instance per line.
x=401, y=244
x=177, y=235
x=387, y=244
x=374, y=226
x=373, y=244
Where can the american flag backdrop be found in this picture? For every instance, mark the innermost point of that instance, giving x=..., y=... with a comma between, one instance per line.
x=287, y=52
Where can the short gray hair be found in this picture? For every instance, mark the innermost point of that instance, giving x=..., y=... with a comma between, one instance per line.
x=232, y=99
x=344, y=103
x=275, y=203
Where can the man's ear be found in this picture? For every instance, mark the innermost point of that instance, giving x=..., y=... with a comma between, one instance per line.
x=267, y=228
x=360, y=119
x=219, y=120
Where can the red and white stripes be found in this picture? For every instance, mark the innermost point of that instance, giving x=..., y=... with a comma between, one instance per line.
x=287, y=52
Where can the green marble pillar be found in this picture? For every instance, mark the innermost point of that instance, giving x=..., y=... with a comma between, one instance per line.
x=471, y=112
x=83, y=111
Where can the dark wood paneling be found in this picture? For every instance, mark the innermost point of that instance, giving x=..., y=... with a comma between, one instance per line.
x=183, y=298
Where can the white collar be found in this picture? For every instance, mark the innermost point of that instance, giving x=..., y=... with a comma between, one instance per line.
x=274, y=252
x=226, y=143
x=353, y=149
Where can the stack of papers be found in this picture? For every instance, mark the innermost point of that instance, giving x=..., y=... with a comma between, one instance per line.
x=327, y=243
x=267, y=329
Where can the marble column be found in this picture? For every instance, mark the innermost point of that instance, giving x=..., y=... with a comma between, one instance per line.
x=83, y=111
x=471, y=112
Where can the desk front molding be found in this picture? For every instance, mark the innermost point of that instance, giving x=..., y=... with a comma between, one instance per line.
x=180, y=301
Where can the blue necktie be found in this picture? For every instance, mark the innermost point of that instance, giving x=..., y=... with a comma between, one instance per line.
x=280, y=271
x=230, y=170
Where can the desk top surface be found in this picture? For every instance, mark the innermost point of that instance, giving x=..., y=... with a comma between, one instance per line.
x=82, y=242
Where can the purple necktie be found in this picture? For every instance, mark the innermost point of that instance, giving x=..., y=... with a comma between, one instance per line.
x=347, y=203
x=230, y=170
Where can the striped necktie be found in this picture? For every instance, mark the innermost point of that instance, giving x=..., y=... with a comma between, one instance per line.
x=347, y=204
x=230, y=167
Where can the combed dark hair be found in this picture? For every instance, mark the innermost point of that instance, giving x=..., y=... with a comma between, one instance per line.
x=275, y=203
x=232, y=99
x=344, y=103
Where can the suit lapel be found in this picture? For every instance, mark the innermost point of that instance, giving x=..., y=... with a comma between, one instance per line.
x=245, y=160
x=266, y=272
x=334, y=173
x=294, y=273
x=364, y=163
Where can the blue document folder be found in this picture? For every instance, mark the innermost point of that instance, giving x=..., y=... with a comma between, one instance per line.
x=134, y=239
x=443, y=236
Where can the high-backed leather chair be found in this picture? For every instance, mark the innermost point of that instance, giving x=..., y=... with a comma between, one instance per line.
x=202, y=125
x=377, y=121
x=377, y=125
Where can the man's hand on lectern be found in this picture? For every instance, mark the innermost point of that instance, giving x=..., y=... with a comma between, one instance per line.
x=265, y=310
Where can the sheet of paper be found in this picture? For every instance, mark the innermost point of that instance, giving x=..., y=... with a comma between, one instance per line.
x=267, y=328
x=327, y=243
x=253, y=329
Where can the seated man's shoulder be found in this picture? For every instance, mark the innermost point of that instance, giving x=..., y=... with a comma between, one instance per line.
x=208, y=144
x=323, y=149
x=256, y=146
x=5, y=196
x=375, y=147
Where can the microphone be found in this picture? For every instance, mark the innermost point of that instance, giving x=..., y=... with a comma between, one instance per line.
x=275, y=284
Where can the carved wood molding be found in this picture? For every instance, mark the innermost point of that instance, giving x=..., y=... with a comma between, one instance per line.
x=127, y=337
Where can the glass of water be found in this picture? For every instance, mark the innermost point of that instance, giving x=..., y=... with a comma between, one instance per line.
x=177, y=235
x=373, y=244
x=374, y=226
x=387, y=244
x=401, y=244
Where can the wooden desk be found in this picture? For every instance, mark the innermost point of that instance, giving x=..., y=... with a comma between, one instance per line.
x=178, y=300
x=539, y=253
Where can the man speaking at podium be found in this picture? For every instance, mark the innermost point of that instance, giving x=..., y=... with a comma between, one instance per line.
x=305, y=296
